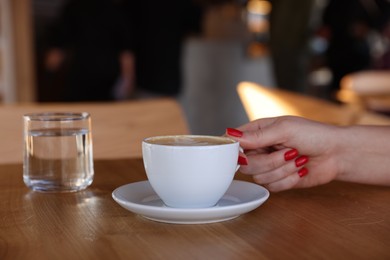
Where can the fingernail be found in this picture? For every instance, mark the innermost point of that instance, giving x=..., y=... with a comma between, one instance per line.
x=234, y=132
x=303, y=172
x=301, y=160
x=291, y=154
x=242, y=160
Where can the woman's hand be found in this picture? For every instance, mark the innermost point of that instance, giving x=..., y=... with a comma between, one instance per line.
x=288, y=152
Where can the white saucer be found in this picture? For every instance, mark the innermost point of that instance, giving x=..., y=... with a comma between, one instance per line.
x=140, y=198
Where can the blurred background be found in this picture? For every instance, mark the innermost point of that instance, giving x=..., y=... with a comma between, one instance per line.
x=194, y=51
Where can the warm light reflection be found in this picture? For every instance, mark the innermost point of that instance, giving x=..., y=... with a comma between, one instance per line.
x=259, y=102
x=346, y=93
x=257, y=12
x=261, y=7
x=346, y=96
x=346, y=82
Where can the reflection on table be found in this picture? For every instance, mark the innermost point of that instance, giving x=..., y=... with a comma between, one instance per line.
x=260, y=101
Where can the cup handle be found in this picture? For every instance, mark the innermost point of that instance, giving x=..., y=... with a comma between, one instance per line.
x=242, y=151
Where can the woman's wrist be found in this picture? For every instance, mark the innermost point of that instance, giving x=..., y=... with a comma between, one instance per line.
x=343, y=152
x=362, y=155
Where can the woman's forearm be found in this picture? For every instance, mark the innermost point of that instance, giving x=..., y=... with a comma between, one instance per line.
x=364, y=154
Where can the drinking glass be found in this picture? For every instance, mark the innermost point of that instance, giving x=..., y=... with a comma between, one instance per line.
x=57, y=151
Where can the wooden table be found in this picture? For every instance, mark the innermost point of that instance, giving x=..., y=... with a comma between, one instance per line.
x=333, y=221
x=330, y=112
x=117, y=127
x=260, y=101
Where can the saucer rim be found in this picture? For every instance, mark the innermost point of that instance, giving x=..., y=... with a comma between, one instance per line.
x=190, y=215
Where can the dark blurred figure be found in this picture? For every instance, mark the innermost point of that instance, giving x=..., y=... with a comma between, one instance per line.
x=89, y=54
x=161, y=28
x=348, y=24
x=290, y=32
x=383, y=61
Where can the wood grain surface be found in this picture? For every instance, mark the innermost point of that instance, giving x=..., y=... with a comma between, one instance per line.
x=333, y=221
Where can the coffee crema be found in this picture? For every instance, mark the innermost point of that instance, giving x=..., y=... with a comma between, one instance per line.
x=189, y=140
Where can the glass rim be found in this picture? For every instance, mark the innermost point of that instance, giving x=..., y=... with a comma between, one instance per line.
x=57, y=116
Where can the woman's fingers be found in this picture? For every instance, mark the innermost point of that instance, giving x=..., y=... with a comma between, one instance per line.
x=269, y=167
x=286, y=183
x=262, y=161
x=278, y=170
x=261, y=133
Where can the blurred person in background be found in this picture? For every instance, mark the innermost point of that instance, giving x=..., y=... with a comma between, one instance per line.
x=382, y=61
x=89, y=48
x=290, y=32
x=349, y=24
x=160, y=29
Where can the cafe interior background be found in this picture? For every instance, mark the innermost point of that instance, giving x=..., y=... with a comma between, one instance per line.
x=304, y=46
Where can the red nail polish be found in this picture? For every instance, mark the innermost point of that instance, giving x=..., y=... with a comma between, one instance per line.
x=303, y=172
x=242, y=160
x=291, y=154
x=234, y=132
x=301, y=160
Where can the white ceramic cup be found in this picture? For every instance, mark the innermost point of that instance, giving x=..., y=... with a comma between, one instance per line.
x=190, y=171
